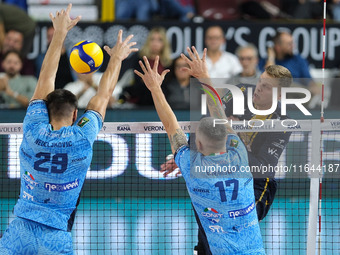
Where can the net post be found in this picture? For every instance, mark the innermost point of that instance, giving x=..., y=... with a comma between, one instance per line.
x=314, y=189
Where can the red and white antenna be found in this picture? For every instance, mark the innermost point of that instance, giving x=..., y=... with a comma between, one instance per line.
x=322, y=120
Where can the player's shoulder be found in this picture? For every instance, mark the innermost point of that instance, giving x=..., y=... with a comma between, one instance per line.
x=234, y=142
x=37, y=103
x=36, y=112
x=182, y=150
x=236, y=147
x=89, y=116
x=89, y=124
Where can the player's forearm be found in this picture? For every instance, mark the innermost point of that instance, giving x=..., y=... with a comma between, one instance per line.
x=110, y=77
x=164, y=110
x=50, y=64
x=215, y=108
x=175, y=133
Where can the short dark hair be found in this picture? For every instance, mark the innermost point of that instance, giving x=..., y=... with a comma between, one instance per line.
x=13, y=52
x=61, y=103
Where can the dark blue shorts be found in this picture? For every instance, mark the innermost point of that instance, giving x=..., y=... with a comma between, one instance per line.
x=27, y=237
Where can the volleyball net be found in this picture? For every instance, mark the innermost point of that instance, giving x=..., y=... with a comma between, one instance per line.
x=128, y=207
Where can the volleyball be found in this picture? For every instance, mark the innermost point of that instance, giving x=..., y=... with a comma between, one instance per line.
x=86, y=57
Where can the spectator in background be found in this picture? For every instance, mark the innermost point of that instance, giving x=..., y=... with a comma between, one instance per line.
x=336, y=10
x=248, y=56
x=334, y=102
x=14, y=40
x=304, y=9
x=141, y=10
x=177, y=87
x=282, y=54
x=16, y=90
x=156, y=44
x=19, y=3
x=85, y=88
x=221, y=64
x=177, y=9
x=14, y=18
x=64, y=73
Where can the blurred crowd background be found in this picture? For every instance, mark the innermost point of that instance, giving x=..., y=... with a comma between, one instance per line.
x=25, y=24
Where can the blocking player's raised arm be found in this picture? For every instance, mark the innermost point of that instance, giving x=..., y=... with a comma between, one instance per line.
x=118, y=53
x=198, y=69
x=62, y=23
x=153, y=82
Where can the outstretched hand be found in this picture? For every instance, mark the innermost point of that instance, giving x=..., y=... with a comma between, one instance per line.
x=169, y=168
x=151, y=77
x=122, y=49
x=198, y=67
x=62, y=20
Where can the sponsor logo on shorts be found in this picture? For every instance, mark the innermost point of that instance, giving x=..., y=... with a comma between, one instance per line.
x=241, y=212
x=61, y=187
x=82, y=122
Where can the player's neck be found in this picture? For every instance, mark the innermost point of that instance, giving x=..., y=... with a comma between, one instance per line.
x=213, y=152
x=57, y=125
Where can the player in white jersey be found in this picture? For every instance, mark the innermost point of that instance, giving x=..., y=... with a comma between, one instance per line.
x=222, y=197
x=56, y=151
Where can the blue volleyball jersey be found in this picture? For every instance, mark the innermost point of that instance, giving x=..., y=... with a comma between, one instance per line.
x=223, y=197
x=53, y=165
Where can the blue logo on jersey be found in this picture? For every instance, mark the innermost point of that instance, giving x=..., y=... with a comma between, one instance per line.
x=241, y=212
x=214, y=220
x=61, y=187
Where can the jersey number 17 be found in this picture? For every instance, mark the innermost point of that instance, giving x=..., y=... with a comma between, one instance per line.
x=220, y=186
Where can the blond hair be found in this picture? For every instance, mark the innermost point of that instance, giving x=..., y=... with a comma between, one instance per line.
x=165, y=54
x=284, y=75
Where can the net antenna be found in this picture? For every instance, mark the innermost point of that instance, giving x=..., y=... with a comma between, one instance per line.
x=316, y=183
x=322, y=118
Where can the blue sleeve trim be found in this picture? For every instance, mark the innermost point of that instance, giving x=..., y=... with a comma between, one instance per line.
x=36, y=101
x=96, y=113
x=178, y=150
